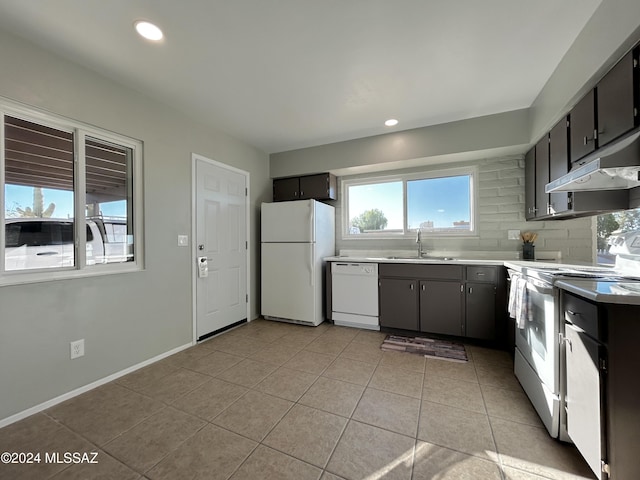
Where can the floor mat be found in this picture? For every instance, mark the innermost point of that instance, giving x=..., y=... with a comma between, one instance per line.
x=428, y=347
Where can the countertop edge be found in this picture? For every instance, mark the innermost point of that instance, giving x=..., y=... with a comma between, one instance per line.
x=421, y=261
x=585, y=290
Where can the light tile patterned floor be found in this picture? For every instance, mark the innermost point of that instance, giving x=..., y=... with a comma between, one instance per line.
x=271, y=400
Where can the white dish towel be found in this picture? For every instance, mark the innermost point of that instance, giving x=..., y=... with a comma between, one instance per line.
x=518, y=300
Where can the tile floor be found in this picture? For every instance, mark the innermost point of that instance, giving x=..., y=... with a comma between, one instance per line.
x=275, y=401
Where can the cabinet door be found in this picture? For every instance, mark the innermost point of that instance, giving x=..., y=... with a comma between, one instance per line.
x=530, y=184
x=559, y=164
x=320, y=187
x=399, y=303
x=481, y=311
x=542, y=176
x=441, y=307
x=582, y=127
x=584, y=395
x=285, y=189
x=614, y=95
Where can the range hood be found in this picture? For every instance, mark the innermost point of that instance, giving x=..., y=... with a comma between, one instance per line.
x=613, y=167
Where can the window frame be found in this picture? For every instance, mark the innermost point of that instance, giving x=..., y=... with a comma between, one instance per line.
x=80, y=131
x=471, y=171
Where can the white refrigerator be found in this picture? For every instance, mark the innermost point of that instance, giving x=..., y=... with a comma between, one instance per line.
x=296, y=236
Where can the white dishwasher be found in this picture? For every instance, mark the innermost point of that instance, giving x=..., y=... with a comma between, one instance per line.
x=354, y=295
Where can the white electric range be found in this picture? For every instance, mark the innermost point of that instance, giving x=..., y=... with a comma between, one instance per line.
x=538, y=352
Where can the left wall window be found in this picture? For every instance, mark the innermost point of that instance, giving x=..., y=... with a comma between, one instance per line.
x=67, y=189
x=39, y=196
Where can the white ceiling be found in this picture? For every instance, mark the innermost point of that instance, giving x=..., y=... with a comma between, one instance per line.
x=286, y=74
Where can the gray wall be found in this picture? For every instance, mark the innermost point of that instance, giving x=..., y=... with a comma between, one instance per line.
x=466, y=139
x=128, y=318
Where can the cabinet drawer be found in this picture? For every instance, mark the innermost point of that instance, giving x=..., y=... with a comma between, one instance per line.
x=437, y=272
x=482, y=274
x=581, y=313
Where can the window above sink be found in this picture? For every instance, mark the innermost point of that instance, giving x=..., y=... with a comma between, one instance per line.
x=438, y=203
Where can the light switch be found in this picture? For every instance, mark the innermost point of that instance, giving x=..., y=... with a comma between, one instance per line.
x=183, y=240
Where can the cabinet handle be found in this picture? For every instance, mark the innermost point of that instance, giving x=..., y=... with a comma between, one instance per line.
x=470, y=289
x=480, y=274
x=573, y=314
x=423, y=288
x=411, y=286
x=592, y=139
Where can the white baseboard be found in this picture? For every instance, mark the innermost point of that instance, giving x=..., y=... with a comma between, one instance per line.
x=74, y=393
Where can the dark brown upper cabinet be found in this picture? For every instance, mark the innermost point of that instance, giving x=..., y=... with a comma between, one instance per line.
x=530, y=184
x=607, y=111
x=616, y=112
x=583, y=127
x=286, y=189
x=321, y=186
x=559, y=164
x=542, y=176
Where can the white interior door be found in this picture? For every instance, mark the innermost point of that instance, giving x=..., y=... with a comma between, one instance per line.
x=221, y=245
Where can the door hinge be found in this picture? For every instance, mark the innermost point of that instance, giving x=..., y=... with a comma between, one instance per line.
x=604, y=466
x=246, y=192
x=246, y=245
x=246, y=299
x=635, y=112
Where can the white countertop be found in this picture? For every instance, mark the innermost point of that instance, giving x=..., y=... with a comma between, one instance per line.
x=424, y=260
x=627, y=293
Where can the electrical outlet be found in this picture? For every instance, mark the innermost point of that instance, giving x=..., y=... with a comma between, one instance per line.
x=77, y=349
x=183, y=240
x=513, y=235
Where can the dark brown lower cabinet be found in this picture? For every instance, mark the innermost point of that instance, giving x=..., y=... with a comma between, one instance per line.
x=456, y=300
x=398, y=303
x=480, y=306
x=441, y=307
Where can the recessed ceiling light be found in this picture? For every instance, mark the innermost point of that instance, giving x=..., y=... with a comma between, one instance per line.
x=148, y=30
x=392, y=122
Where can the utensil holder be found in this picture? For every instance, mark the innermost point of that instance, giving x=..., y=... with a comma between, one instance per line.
x=528, y=252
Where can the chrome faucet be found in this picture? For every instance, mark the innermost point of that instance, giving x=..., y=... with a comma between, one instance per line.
x=419, y=242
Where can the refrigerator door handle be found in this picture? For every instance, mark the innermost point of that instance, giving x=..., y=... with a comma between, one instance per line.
x=312, y=221
x=312, y=264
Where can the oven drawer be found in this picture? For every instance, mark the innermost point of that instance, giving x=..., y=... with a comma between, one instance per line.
x=581, y=313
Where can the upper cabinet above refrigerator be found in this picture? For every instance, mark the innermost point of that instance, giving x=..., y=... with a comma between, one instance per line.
x=321, y=186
